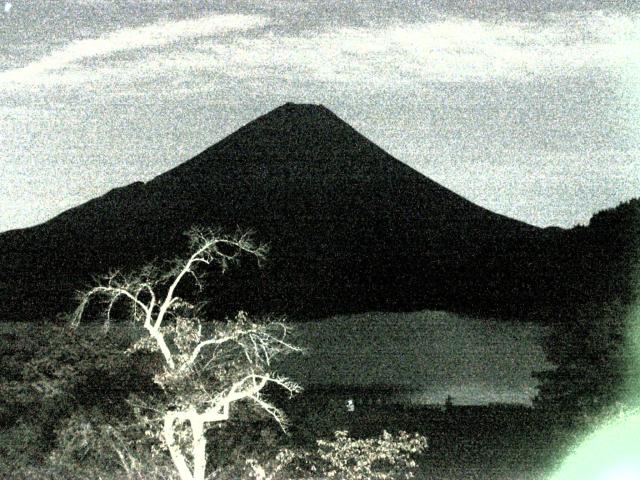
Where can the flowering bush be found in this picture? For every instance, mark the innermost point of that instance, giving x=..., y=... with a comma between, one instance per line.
x=388, y=457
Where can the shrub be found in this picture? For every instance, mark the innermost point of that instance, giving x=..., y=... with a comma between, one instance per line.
x=387, y=457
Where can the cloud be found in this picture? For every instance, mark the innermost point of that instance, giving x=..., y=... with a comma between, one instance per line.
x=460, y=49
x=58, y=66
x=446, y=50
x=450, y=49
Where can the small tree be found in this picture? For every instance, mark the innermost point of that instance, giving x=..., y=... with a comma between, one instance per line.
x=204, y=368
x=448, y=403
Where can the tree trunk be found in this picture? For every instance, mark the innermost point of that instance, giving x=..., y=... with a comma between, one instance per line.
x=174, y=450
x=199, y=449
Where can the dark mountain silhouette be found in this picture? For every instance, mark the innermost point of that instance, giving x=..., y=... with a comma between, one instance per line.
x=350, y=229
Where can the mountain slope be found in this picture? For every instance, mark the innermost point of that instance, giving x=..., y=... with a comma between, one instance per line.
x=350, y=229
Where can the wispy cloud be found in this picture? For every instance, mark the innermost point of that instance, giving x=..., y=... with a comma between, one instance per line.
x=58, y=66
x=449, y=50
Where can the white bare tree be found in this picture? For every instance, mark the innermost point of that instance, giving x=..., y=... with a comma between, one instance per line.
x=202, y=374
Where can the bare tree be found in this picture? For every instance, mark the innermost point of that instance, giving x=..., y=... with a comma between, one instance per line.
x=206, y=367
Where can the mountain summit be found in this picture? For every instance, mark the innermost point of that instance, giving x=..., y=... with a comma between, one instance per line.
x=350, y=229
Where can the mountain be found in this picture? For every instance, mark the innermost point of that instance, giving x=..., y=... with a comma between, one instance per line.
x=350, y=229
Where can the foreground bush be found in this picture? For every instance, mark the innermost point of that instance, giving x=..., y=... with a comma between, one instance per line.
x=52, y=373
x=387, y=457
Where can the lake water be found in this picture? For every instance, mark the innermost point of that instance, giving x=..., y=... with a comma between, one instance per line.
x=436, y=354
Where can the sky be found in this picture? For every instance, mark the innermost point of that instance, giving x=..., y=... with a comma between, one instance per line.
x=528, y=108
x=435, y=354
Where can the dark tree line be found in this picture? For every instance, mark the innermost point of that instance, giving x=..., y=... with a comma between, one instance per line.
x=595, y=345
x=594, y=363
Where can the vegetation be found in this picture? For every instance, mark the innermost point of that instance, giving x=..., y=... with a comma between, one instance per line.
x=592, y=362
x=201, y=374
x=386, y=457
x=51, y=374
x=168, y=396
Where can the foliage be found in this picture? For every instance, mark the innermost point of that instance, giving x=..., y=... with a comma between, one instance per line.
x=386, y=457
x=20, y=446
x=183, y=383
x=91, y=445
x=202, y=369
x=592, y=362
x=50, y=374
